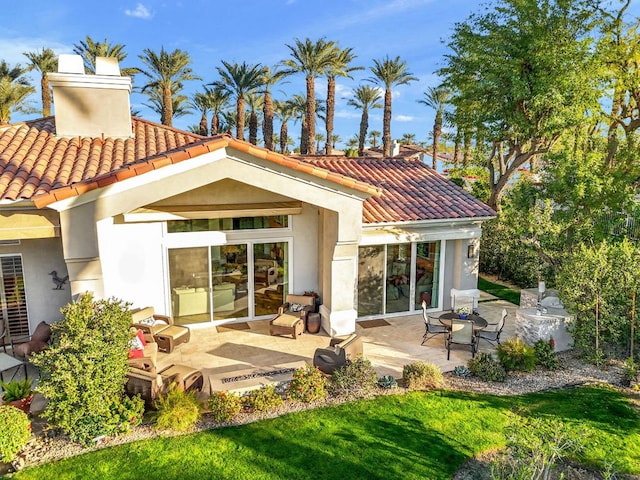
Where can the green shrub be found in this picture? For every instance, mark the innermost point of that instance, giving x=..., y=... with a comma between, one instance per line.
x=515, y=355
x=224, y=406
x=629, y=372
x=84, y=370
x=422, y=376
x=177, y=410
x=545, y=355
x=263, y=399
x=126, y=413
x=15, y=432
x=461, y=371
x=486, y=368
x=308, y=384
x=354, y=378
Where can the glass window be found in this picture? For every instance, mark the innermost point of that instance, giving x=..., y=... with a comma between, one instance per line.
x=427, y=268
x=227, y=224
x=398, y=277
x=370, y=280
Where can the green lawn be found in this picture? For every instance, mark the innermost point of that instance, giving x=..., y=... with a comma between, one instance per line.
x=500, y=291
x=414, y=436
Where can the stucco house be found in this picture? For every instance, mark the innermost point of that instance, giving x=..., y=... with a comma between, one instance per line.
x=212, y=229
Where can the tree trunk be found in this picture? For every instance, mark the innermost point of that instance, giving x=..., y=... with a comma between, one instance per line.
x=597, y=327
x=240, y=118
x=456, y=149
x=215, y=124
x=386, y=124
x=331, y=107
x=253, y=128
x=310, y=117
x=267, y=123
x=46, y=96
x=364, y=126
x=632, y=333
x=304, y=136
x=467, y=148
x=284, y=133
x=437, y=131
x=204, y=125
x=167, y=107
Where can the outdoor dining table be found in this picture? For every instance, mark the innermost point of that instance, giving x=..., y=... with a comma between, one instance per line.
x=479, y=323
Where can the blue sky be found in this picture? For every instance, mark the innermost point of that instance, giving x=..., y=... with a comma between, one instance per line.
x=255, y=31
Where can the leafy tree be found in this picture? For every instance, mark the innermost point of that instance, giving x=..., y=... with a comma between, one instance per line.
x=45, y=62
x=84, y=370
x=89, y=49
x=436, y=98
x=365, y=97
x=521, y=75
x=167, y=73
x=180, y=104
x=240, y=80
x=389, y=73
x=339, y=67
x=313, y=59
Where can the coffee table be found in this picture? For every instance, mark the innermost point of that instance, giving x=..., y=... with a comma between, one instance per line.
x=478, y=322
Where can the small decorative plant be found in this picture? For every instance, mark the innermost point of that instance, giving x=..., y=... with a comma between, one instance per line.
x=224, y=406
x=387, y=382
x=422, y=376
x=16, y=390
x=486, y=368
x=177, y=410
x=463, y=311
x=545, y=356
x=515, y=355
x=14, y=434
x=461, y=371
x=263, y=399
x=308, y=384
x=355, y=378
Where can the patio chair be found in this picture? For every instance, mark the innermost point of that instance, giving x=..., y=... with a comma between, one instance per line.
x=165, y=333
x=4, y=336
x=431, y=329
x=492, y=334
x=292, y=316
x=461, y=334
x=328, y=359
x=38, y=341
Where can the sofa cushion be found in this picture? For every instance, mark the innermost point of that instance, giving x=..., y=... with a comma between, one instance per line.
x=42, y=333
x=296, y=307
x=285, y=320
x=29, y=348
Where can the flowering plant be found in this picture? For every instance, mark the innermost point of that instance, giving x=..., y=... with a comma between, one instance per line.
x=463, y=310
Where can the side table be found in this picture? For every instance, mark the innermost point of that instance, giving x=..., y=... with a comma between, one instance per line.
x=314, y=322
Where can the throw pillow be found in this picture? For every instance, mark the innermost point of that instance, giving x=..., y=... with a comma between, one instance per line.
x=147, y=321
x=159, y=322
x=296, y=307
x=137, y=342
x=136, y=354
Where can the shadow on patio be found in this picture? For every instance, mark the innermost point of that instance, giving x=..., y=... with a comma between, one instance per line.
x=241, y=359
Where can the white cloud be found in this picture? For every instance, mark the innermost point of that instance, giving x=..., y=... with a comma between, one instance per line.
x=13, y=49
x=404, y=118
x=139, y=12
x=348, y=114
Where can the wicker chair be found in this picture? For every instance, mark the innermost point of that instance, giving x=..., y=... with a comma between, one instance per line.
x=327, y=360
x=165, y=333
x=292, y=316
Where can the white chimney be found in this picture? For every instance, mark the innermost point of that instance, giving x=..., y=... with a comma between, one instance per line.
x=91, y=105
x=395, y=148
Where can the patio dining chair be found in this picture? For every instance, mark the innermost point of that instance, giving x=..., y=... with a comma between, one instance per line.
x=461, y=334
x=492, y=334
x=432, y=328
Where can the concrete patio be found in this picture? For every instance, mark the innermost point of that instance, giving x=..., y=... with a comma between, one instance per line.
x=222, y=353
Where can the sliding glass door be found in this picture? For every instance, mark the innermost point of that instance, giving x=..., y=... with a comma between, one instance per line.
x=214, y=283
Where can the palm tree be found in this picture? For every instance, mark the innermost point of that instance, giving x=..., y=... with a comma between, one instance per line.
x=408, y=139
x=319, y=138
x=298, y=106
x=240, y=80
x=437, y=99
x=365, y=97
x=202, y=102
x=166, y=73
x=374, y=135
x=389, y=73
x=270, y=78
x=13, y=97
x=313, y=59
x=219, y=101
x=180, y=105
x=284, y=112
x=45, y=62
x=14, y=91
x=339, y=67
x=89, y=49
x=255, y=102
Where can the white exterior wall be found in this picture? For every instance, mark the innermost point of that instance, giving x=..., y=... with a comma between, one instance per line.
x=39, y=258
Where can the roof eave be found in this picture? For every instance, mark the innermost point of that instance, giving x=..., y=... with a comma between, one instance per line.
x=429, y=223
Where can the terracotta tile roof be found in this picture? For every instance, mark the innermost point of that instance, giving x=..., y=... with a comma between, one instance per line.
x=411, y=191
x=37, y=165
